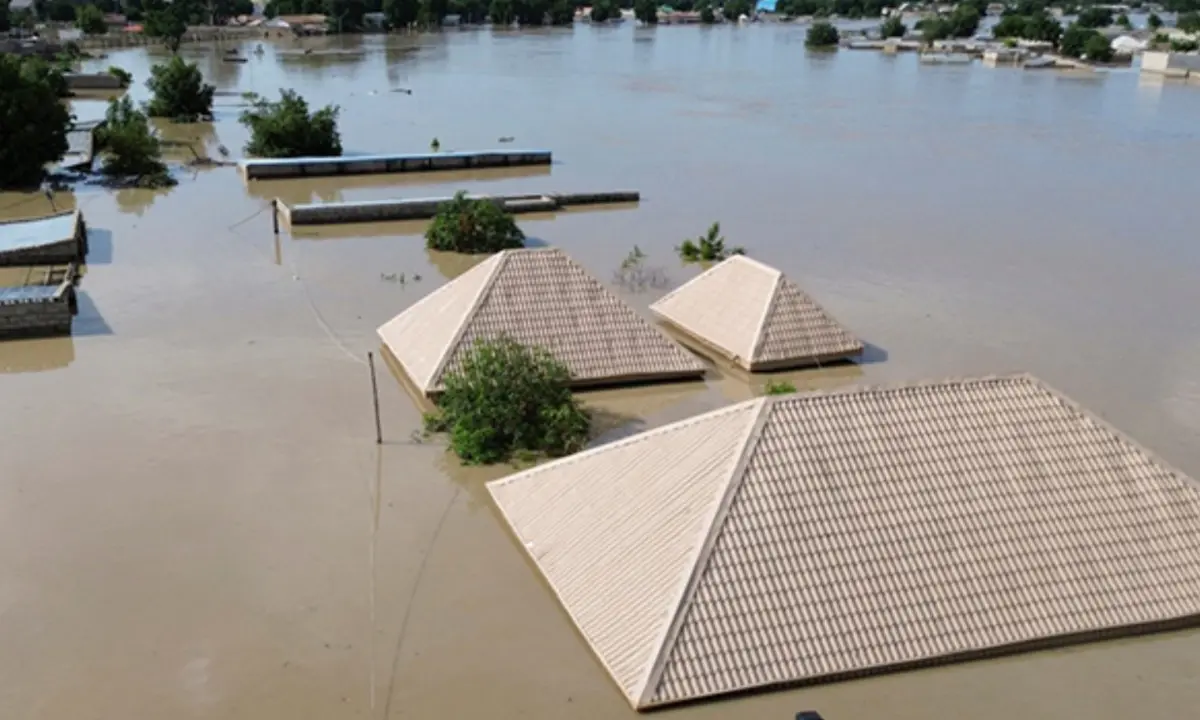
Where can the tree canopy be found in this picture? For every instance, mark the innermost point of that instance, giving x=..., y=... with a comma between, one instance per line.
x=167, y=22
x=401, y=13
x=131, y=151
x=180, y=92
x=893, y=27
x=35, y=122
x=709, y=247
x=468, y=225
x=646, y=11
x=506, y=400
x=1040, y=26
x=1079, y=41
x=1094, y=17
x=287, y=129
x=90, y=20
x=1189, y=22
x=734, y=9
x=604, y=10
x=821, y=35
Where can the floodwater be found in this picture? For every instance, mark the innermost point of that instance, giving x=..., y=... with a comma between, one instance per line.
x=195, y=521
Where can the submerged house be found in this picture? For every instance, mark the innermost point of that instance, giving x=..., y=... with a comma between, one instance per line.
x=60, y=238
x=809, y=538
x=537, y=297
x=752, y=314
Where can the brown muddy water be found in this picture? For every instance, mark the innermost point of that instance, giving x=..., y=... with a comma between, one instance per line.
x=195, y=521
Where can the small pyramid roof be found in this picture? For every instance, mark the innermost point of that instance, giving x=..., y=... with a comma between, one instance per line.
x=796, y=539
x=754, y=315
x=537, y=297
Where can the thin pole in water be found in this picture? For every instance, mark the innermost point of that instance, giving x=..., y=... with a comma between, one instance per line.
x=375, y=397
x=275, y=216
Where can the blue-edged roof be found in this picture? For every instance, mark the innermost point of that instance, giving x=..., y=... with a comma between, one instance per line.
x=765, y=6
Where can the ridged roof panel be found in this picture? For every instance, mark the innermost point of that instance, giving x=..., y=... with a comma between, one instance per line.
x=543, y=297
x=617, y=531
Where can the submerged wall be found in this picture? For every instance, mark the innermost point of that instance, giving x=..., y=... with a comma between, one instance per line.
x=37, y=310
x=1168, y=63
x=92, y=81
x=425, y=208
x=264, y=169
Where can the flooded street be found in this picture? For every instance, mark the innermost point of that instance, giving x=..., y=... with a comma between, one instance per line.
x=195, y=521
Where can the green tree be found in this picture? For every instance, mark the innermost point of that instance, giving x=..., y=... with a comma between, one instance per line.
x=5, y=18
x=131, y=151
x=502, y=12
x=562, y=12
x=604, y=10
x=121, y=74
x=180, y=92
x=1043, y=27
x=475, y=226
x=167, y=22
x=1123, y=21
x=345, y=16
x=507, y=400
x=1189, y=22
x=287, y=129
x=60, y=11
x=1098, y=48
x=707, y=16
x=1154, y=22
x=964, y=21
x=531, y=12
x=90, y=20
x=709, y=247
x=646, y=11
x=471, y=11
x=821, y=35
x=401, y=13
x=432, y=12
x=1094, y=17
x=734, y=9
x=893, y=27
x=1074, y=40
x=35, y=121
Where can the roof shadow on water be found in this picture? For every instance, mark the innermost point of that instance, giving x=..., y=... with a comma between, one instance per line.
x=88, y=321
x=24, y=356
x=872, y=354
x=100, y=248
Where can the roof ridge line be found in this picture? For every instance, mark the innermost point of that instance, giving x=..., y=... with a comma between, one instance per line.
x=630, y=440
x=484, y=290
x=672, y=629
x=671, y=294
x=760, y=336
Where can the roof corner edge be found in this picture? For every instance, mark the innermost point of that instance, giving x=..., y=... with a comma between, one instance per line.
x=760, y=334
x=643, y=693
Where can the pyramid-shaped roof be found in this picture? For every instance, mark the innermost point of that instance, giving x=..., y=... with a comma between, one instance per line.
x=755, y=316
x=804, y=538
x=537, y=297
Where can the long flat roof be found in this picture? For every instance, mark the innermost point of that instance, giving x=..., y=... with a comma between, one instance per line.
x=22, y=234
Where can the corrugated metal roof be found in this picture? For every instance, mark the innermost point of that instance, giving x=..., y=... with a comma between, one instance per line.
x=754, y=315
x=857, y=532
x=538, y=297
x=16, y=235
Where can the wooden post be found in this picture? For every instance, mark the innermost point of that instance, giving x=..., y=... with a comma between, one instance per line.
x=375, y=398
x=275, y=216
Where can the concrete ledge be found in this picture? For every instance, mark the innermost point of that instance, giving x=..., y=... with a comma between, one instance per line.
x=60, y=238
x=37, y=310
x=425, y=208
x=92, y=81
x=265, y=169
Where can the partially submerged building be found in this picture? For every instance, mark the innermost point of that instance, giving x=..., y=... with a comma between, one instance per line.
x=37, y=301
x=809, y=538
x=537, y=297
x=60, y=238
x=753, y=315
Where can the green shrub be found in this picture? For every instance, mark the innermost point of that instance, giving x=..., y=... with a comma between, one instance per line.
x=604, y=10
x=180, y=92
x=780, y=387
x=1098, y=48
x=1184, y=46
x=90, y=20
x=822, y=35
x=893, y=27
x=468, y=225
x=508, y=400
x=121, y=74
x=131, y=151
x=708, y=247
x=287, y=129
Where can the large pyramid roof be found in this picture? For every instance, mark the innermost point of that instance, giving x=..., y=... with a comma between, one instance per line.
x=803, y=538
x=537, y=297
x=754, y=315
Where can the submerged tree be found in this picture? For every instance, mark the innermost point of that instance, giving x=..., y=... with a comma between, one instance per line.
x=708, y=247
x=167, y=22
x=469, y=225
x=604, y=10
x=131, y=151
x=822, y=35
x=507, y=400
x=36, y=122
x=287, y=129
x=180, y=92
x=90, y=20
x=646, y=11
x=893, y=27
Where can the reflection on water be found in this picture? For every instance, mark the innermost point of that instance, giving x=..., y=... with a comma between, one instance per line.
x=330, y=189
x=222, y=466
x=31, y=356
